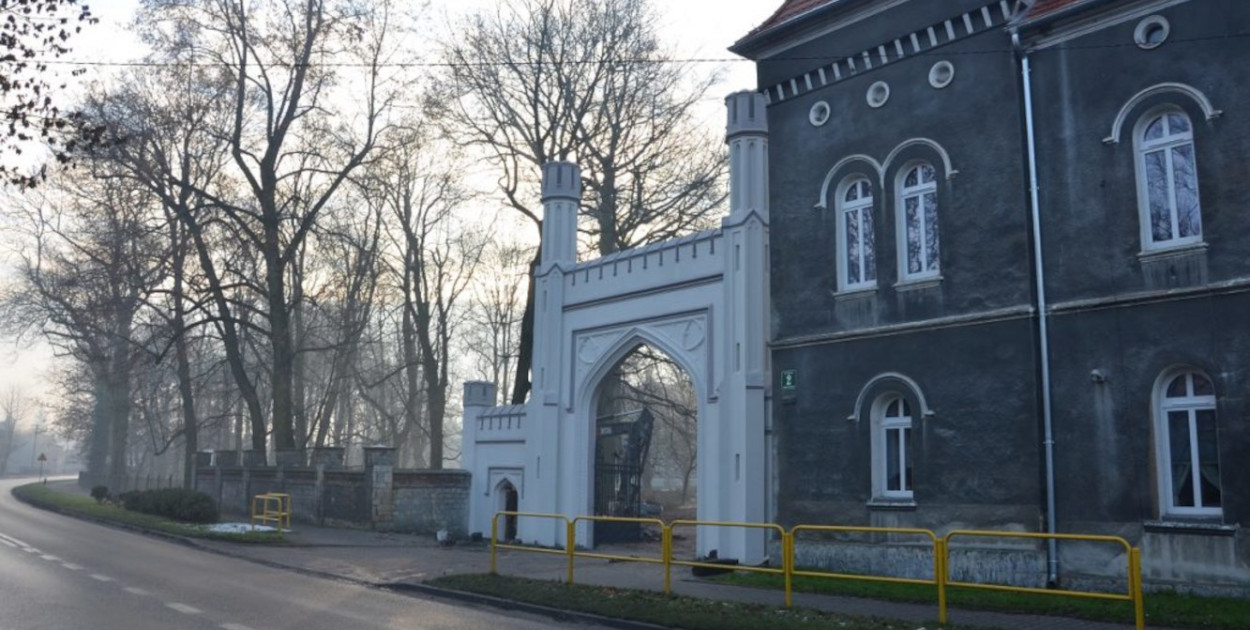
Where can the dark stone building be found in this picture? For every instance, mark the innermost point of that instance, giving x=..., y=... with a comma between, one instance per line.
x=941, y=333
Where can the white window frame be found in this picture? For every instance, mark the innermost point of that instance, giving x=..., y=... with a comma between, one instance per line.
x=882, y=428
x=1163, y=451
x=1142, y=147
x=860, y=206
x=901, y=194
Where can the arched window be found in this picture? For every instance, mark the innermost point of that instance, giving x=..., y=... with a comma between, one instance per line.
x=1187, y=445
x=1167, y=174
x=891, y=459
x=856, y=258
x=918, y=223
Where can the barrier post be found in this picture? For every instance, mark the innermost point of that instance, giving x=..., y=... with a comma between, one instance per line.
x=1135, y=582
x=494, y=535
x=787, y=564
x=570, y=544
x=666, y=550
x=939, y=575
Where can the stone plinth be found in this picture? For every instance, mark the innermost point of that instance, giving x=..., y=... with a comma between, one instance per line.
x=289, y=457
x=254, y=459
x=329, y=456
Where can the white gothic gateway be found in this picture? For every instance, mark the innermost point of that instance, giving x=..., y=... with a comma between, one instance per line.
x=702, y=299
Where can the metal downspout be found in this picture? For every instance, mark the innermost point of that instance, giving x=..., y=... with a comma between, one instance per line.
x=1052, y=552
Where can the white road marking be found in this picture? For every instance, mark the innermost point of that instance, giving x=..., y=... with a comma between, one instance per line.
x=13, y=540
x=30, y=550
x=71, y=566
x=184, y=609
x=134, y=590
x=50, y=558
x=102, y=578
x=7, y=543
x=234, y=626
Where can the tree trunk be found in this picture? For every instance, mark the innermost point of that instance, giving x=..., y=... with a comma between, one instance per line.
x=190, y=424
x=525, y=353
x=282, y=349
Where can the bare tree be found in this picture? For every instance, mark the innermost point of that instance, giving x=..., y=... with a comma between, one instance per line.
x=585, y=80
x=89, y=264
x=496, y=312
x=437, y=258
x=14, y=406
x=293, y=144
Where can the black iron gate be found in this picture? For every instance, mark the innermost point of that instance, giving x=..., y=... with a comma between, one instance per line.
x=620, y=455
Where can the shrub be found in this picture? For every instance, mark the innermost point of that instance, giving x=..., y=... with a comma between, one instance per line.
x=179, y=504
x=100, y=493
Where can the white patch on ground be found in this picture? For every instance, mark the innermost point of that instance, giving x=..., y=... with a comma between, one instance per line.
x=239, y=528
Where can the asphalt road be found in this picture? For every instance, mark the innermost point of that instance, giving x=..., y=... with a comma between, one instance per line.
x=59, y=573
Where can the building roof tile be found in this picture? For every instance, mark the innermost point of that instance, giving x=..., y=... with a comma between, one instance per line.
x=787, y=11
x=1043, y=8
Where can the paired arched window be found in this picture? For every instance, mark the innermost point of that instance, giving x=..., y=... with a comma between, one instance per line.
x=918, y=223
x=892, y=477
x=1187, y=445
x=1167, y=173
x=856, y=257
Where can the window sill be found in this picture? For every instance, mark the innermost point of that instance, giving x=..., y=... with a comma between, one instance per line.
x=857, y=292
x=1190, y=526
x=1176, y=251
x=892, y=505
x=918, y=284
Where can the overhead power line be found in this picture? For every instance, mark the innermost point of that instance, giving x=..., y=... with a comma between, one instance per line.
x=942, y=51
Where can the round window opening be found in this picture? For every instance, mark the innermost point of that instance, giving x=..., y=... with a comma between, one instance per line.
x=878, y=94
x=819, y=114
x=1152, y=32
x=941, y=74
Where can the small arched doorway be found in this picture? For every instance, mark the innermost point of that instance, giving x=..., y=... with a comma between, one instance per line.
x=507, y=502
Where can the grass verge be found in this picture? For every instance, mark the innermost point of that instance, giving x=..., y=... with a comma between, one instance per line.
x=674, y=611
x=1171, y=610
x=72, y=504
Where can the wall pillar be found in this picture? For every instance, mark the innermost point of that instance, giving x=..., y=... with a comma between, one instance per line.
x=379, y=474
x=478, y=397
x=743, y=448
x=551, y=463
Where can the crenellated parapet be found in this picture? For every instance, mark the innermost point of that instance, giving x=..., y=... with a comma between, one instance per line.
x=651, y=267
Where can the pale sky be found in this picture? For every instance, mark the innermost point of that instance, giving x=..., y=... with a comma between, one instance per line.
x=696, y=28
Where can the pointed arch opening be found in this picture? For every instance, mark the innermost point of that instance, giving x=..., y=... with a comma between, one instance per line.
x=645, y=443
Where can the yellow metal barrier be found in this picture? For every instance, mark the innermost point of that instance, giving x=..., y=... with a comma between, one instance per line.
x=941, y=555
x=939, y=577
x=1133, y=596
x=568, y=533
x=787, y=551
x=272, y=507
x=665, y=543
